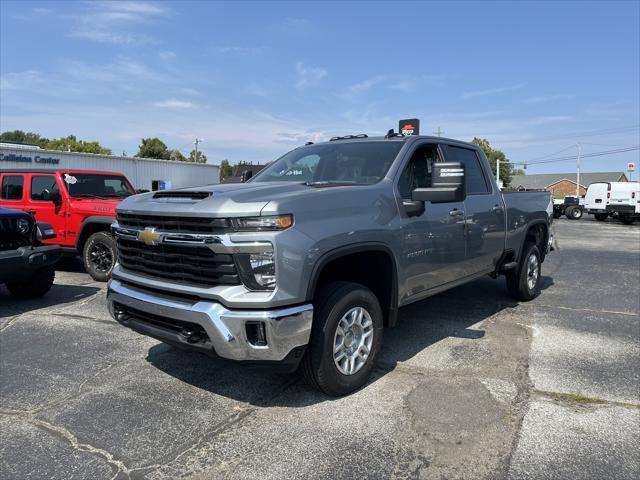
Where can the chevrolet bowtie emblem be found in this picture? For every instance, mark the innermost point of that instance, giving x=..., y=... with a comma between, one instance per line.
x=149, y=236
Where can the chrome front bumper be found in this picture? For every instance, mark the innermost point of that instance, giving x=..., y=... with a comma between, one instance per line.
x=285, y=328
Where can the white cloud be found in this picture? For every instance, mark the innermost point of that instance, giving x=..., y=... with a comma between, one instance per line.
x=235, y=50
x=547, y=98
x=491, y=91
x=167, y=55
x=116, y=22
x=20, y=80
x=309, y=76
x=357, y=89
x=174, y=103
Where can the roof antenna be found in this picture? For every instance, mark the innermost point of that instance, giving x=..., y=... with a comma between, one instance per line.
x=390, y=133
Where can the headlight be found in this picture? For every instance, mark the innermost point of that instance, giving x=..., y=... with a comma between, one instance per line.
x=272, y=222
x=24, y=225
x=258, y=270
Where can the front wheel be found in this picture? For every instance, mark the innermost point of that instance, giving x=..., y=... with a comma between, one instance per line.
x=345, y=338
x=523, y=283
x=99, y=256
x=39, y=284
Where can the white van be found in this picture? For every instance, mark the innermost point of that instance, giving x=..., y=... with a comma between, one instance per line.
x=620, y=199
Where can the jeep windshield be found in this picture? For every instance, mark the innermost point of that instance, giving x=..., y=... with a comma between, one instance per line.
x=96, y=185
x=333, y=164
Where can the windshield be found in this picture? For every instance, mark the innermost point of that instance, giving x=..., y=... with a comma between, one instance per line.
x=349, y=163
x=95, y=185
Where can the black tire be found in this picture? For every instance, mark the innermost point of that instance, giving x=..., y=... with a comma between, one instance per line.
x=318, y=366
x=518, y=279
x=99, y=256
x=601, y=217
x=573, y=213
x=39, y=284
x=626, y=219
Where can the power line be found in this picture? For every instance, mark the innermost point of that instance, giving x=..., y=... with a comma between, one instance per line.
x=573, y=157
x=590, y=133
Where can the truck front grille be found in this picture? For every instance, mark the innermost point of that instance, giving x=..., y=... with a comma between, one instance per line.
x=196, y=265
x=10, y=238
x=175, y=224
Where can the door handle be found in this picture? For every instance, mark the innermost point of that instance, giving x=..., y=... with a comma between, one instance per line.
x=455, y=212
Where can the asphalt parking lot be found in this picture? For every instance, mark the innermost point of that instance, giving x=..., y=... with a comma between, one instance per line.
x=470, y=385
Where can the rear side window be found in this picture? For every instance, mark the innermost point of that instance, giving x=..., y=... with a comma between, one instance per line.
x=475, y=179
x=12, y=187
x=40, y=183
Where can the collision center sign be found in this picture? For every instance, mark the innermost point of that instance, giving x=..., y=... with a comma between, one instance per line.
x=12, y=157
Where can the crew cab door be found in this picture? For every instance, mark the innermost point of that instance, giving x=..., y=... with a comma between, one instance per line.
x=433, y=244
x=43, y=189
x=484, y=210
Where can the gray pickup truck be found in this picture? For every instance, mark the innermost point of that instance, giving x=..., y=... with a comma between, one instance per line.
x=305, y=264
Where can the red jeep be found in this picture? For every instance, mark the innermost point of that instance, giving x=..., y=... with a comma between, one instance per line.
x=79, y=204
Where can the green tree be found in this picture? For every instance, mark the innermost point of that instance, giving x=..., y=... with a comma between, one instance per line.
x=18, y=136
x=200, y=158
x=72, y=144
x=226, y=170
x=153, y=148
x=493, y=156
x=177, y=156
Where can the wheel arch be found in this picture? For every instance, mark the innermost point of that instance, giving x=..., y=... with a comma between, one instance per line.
x=538, y=233
x=91, y=225
x=380, y=275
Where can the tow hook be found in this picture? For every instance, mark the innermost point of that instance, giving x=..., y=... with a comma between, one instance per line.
x=193, y=335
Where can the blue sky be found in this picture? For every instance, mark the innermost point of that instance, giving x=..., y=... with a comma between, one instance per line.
x=257, y=79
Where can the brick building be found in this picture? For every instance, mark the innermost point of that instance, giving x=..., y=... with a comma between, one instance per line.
x=563, y=184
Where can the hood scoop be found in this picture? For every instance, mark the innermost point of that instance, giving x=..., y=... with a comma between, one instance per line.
x=180, y=196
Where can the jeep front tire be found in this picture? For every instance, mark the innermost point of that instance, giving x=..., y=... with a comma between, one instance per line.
x=39, y=284
x=99, y=256
x=345, y=338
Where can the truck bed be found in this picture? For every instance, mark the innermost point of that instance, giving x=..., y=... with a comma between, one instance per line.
x=522, y=210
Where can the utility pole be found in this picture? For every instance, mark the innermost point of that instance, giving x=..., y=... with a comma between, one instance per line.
x=579, y=151
x=439, y=132
x=498, y=172
x=198, y=140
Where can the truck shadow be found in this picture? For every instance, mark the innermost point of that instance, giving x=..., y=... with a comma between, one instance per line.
x=421, y=328
x=59, y=294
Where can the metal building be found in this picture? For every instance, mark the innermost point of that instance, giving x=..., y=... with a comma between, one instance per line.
x=144, y=173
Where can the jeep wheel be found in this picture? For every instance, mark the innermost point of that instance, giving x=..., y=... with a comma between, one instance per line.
x=99, y=256
x=523, y=283
x=39, y=284
x=345, y=339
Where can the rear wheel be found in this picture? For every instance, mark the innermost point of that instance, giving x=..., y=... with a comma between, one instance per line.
x=573, y=213
x=39, y=284
x=626, y=219
x=99, y=256
x=345, y=339
x=601, y=217
x=523, y=283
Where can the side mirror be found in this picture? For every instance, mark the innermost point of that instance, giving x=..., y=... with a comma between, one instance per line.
x=54, y=197
x=246, y=175
x=44, y=231
x=447, y=184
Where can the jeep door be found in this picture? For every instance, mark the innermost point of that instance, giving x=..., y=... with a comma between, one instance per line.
x=432, y=233
x=42, y=188
x=484, y=211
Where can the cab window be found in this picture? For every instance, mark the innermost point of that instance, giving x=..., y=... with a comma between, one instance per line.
x=12, y=187
x=417, y=173
x=40, y=183
x=475, y=179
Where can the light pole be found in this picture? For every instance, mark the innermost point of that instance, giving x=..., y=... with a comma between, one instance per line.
x=579, y=147
x=198, y=140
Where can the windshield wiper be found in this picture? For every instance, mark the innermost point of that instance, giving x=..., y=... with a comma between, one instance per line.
x=88, y=195
x=330, y=183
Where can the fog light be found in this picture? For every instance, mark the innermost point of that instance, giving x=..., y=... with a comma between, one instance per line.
x=258, y=270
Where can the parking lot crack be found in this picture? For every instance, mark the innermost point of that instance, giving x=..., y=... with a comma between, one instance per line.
x=581, y=399
x=73, y=441
x=11, y=321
